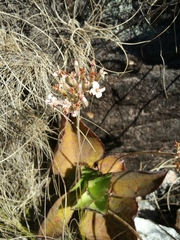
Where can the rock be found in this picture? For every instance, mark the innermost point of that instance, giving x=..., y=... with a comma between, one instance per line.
x=136, y=114
x=151, y=231
x=170, y=178
x=144, y=205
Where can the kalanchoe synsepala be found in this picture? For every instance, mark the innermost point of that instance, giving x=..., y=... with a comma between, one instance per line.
x=75, y=87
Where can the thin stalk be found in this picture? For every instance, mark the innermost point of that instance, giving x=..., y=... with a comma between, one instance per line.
x=149, y=152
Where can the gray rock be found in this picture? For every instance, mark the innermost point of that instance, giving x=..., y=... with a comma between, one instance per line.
x=151, y=231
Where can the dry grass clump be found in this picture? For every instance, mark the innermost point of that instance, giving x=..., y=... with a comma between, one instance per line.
x=23, y=129
x=54, y=27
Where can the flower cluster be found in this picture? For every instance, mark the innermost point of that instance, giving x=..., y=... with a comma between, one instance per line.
x=74, y=87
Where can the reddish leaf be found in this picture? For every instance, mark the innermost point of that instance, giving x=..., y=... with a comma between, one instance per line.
x=125, y=208
x=70, y=151
x=111, y=164
x=130, y=184
x=58, y=216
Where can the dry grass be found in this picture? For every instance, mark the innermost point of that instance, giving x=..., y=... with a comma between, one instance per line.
x=33, y=42
x=23, y=128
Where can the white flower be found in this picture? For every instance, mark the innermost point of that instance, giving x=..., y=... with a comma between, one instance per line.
x=50, y=100
x=96, y=90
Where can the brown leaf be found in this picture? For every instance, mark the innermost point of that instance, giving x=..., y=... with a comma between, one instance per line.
x=58, y=216
x=71, y=151
x=95, y=226
x=125, y=208
x=111, y=164
x=130, y=184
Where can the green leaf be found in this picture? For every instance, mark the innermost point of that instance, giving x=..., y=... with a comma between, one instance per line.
x=130, y=184
x=96, y=195
x=84, y=201
x=99, y=186
x=87, y=202
x=86, y=174
x=89, y=173
x=100, y=205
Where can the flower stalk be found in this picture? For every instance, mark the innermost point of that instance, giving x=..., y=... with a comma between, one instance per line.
x=75, y=87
